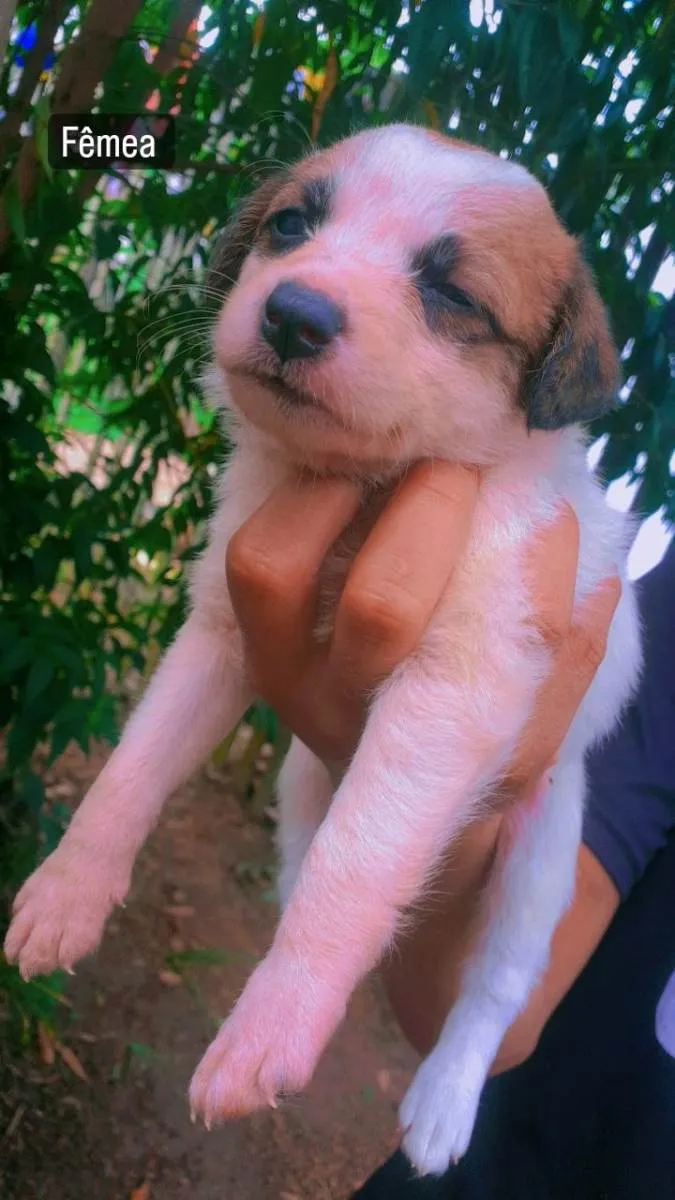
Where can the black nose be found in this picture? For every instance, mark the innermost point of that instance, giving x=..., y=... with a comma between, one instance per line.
x=299, y=323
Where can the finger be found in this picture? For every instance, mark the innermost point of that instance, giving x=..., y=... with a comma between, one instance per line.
x=401, y=572
x=273, y=564
x=561, y=694
x=551, y=563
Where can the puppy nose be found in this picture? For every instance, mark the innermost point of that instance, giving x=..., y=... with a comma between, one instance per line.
x=298, y=322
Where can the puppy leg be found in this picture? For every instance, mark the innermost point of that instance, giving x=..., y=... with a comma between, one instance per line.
x=416, y=776
x=532, y=885
x=194, y=699
x=304, y=793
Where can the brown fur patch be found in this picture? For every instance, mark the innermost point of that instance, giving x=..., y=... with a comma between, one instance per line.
x=236, y=240
x=576, y=375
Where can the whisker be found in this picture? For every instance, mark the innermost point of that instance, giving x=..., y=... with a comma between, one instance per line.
x=175, y=317
x=288, y=118
x=223, y=274
x=161, y=337
x=184, y=351
x=154, y=353
x=171, y=328
x=186, y=289
x=262, y=164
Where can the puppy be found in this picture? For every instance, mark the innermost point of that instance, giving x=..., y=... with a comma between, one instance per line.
x=400, y=296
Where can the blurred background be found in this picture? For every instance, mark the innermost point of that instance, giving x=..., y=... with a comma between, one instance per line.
x=107, y=457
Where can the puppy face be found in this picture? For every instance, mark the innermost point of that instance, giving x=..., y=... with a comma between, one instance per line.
x=403, y=295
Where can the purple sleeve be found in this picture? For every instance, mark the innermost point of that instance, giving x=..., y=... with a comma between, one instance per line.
x=631, y=778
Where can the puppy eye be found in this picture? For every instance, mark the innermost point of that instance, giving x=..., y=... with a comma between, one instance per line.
x=455, y=296
x=437, y=290
x=288, y=226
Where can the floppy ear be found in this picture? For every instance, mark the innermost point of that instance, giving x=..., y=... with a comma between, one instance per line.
x=236, y=240
x=576, y=375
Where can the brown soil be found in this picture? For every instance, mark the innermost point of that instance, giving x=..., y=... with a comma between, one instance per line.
x=139, y=1024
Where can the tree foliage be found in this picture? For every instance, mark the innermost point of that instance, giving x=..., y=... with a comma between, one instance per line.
x=103, y=326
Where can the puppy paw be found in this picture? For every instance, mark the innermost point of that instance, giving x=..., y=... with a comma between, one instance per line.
x=268, y=1047
x=438, y=1113
x=60, y=913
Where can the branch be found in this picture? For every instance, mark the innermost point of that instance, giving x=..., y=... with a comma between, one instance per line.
x=168, y=55
x=86, y=60
x=19, y=103
x=83, y=65
x=7, y=10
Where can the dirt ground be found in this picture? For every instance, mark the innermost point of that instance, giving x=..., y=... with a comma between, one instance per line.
x=173, y=961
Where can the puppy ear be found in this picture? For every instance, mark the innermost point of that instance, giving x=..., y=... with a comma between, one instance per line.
x=236, y=240
x=576, y=375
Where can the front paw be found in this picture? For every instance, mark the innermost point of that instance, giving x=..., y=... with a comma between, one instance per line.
x=60, y=913
x=268, y=1047
x=438, y=1112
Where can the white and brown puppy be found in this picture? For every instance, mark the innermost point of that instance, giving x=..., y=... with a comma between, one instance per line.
x=398, y=297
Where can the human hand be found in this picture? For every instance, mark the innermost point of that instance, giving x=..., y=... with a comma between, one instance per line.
x=394, y=584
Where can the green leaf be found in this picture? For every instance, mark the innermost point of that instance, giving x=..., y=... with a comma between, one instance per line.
x=82, y=551
x=46, y=561
x=39, y=678
x=107, y=240
x=198, y=957
x=41, y=120
x=14, y=211
x=570, y=31
x=32, y=793
x=16, y=656
x=62, y=736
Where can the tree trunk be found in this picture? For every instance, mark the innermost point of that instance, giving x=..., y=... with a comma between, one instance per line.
x=7, y=10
